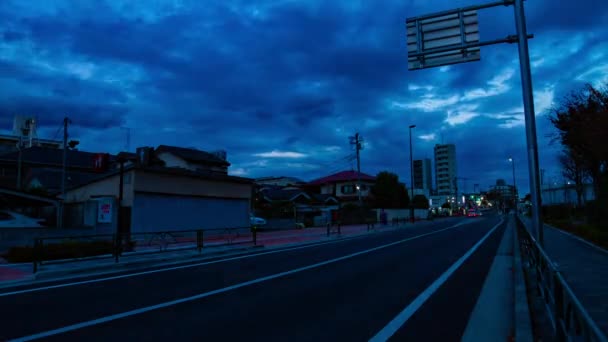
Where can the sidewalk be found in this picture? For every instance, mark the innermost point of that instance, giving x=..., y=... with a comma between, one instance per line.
x=584, y=267
x=17, y=273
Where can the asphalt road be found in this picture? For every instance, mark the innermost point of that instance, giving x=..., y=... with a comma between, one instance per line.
x=348, y=290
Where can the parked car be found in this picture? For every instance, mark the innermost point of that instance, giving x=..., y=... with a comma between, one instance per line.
x=11, y=219
x=257, y=221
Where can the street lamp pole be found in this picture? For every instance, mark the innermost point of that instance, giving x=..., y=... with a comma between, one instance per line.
x=412, y=176
x=514, y=184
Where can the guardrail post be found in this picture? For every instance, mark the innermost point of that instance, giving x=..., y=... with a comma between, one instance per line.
x=36, y=253
x=255, y=235
x=116, y=246
x=561, y=326
x=199, y=240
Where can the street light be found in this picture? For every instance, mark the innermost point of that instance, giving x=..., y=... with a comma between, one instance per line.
x=412, y=176
x=514, y=186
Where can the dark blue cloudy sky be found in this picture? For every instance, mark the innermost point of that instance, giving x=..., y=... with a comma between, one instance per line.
x=281, y=85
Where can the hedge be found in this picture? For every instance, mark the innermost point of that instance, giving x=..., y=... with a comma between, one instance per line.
x=63, y=250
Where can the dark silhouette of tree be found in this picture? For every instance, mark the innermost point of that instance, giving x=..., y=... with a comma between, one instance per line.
x=388, y=192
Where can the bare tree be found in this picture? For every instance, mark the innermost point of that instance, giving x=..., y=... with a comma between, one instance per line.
x=573, y=169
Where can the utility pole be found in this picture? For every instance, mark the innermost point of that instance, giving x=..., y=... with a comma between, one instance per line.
x=66, y=121
x=358, y=142
x=412, y=176
x=19, y=163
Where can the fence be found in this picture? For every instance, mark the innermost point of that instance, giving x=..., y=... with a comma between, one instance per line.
x=569, y=318
x=71, y=248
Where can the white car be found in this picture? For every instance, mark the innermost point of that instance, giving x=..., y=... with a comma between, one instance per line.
x=11, y=219
x=257, y=221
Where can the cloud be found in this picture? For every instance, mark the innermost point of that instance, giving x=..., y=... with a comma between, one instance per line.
x=281, y=154
x=428, y=137
x=430, y=104
x=497, y=85
x=461, y=115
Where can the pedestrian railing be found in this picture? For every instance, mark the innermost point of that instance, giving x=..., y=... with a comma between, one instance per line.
x=570, y=320
x=72, y=248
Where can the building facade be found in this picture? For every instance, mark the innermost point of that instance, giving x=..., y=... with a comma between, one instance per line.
x=445, y=169
x=343, y=186
x=422, y=174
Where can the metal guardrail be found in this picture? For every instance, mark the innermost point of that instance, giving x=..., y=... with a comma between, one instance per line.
x=84, y=247
x=570, y=320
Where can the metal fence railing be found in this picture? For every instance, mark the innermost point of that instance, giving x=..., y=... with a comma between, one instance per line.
x=570, y=320
x=85, y=247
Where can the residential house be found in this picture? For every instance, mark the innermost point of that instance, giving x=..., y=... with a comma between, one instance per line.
x=343, y=186
x=193, y=159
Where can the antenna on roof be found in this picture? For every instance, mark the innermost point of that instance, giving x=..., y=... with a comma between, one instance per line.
x=127, y=138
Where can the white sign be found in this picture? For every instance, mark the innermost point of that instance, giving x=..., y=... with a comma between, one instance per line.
x=104, y=210
x=448, y=33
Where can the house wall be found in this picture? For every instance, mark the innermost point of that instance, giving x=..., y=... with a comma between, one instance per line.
x=105, y=187
x=189, y=186
x=173, y=161
x=364, y=192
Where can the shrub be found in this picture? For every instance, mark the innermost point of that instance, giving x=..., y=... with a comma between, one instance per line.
x=63, y=250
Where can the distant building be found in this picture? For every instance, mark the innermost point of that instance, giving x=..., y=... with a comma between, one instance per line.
x=422, y=174
x=41, y=167
x=445, y=169
x=25, y=135
x=507, y=192
x=280, y=181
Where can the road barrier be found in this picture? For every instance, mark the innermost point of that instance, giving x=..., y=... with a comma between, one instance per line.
x=85, y=247
x=570, y=320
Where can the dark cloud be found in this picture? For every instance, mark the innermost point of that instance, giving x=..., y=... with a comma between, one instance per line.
x=299, y=76
x=51, y=111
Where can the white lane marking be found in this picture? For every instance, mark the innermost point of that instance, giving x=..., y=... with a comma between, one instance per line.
x=214, y=292
x=174, y=267
x=391, y=328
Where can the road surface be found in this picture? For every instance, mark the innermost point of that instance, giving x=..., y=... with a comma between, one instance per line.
x=417, y=283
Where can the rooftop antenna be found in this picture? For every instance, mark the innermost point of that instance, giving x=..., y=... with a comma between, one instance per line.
x=127, y=138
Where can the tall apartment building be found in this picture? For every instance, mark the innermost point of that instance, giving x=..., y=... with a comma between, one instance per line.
x=422, y=174
x=445, y=169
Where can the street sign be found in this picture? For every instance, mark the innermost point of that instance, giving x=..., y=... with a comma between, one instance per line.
x=444, y=39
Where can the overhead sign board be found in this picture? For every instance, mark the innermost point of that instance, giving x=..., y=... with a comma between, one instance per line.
x=434, y=41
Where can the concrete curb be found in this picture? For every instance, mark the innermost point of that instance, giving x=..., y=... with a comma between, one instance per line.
x=522, y=321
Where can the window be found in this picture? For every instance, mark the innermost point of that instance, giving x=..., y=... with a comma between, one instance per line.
x=348, y=189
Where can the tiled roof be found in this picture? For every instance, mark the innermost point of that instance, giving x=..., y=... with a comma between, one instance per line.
x=343, y=176
x=193, y=155
x=323, y=197
x=282, y=195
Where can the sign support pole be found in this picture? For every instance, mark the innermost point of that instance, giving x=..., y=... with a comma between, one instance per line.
x=530, y=119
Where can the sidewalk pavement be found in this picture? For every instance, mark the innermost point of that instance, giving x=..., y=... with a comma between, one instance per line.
x=501, y=312
x=22, y=272
x=584, y=267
